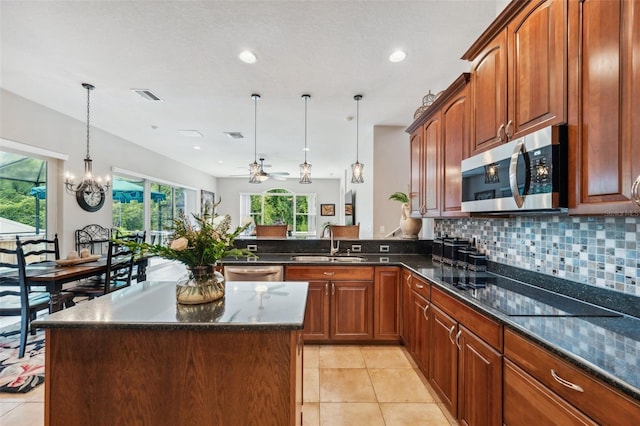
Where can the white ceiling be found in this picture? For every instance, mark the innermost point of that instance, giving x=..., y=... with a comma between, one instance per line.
x=186, y=53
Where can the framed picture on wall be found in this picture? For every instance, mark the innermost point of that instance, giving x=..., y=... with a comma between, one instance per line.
x=207, y=201
x=327, y=209
x=348, y=209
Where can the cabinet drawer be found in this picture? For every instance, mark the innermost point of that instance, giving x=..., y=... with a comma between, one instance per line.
x=597, y=400
x=326, y=273
x=421, y=287
x=485, y=328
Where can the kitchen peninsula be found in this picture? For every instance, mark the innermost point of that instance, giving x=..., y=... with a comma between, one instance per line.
x=134, y=356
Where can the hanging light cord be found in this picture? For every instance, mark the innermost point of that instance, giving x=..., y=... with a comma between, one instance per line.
x=89, y=87
x=357, y=98
x=306, y=98
x=255, y=128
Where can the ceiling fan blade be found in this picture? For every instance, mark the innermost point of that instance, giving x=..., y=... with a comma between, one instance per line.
x=279, y=173
x=278, y=177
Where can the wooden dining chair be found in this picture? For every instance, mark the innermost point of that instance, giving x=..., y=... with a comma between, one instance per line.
x=40, y=250
x=16, y=298
x=345, y=232
x=117, y=275
x=274, y=231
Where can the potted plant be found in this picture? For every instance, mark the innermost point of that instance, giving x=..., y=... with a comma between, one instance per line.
x=199, y=245
x=410, y=226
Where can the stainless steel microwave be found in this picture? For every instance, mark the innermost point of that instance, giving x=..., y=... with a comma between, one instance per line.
x=525, y=175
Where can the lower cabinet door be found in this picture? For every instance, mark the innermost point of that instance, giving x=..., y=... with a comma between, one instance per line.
x=479, y=381
x=443, y=363
x=421, y=333
x=352, y=310
x=316, y=318
x=529, y=402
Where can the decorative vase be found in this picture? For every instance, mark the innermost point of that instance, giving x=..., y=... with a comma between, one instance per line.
x=410, y=226
x=203, y=284
x=204, y=312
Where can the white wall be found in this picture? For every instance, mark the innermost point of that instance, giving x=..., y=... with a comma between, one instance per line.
x=32, y=124
x=391, y=161
x=328, y=191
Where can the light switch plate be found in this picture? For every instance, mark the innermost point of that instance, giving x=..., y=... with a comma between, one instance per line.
x=356, y=248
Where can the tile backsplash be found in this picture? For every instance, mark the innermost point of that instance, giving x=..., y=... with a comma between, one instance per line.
x=599, y=251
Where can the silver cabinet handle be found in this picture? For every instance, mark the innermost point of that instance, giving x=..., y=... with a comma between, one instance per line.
x=330, y=274
x=499, y=134
x=508, y=133
x=513, y=173
x=333, y=289
x=635, y=195
x=326, y=288
x=423, y=209
x=458, y=340
x=453, y=327
x=409, y=281
x=566, y=383
x=424, y=311
x=420, y=286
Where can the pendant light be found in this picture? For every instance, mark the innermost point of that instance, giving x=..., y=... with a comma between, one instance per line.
x=356, y=168
x=88, y=184
x=305, y=168
x=254, y=168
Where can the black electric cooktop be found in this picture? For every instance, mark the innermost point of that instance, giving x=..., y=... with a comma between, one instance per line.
x=515, y=298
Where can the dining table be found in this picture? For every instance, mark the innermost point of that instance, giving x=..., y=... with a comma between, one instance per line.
x=52, y=275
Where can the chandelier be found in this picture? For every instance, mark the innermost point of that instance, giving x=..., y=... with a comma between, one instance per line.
x=305, y=168
x=356, y=168
x=88, y=184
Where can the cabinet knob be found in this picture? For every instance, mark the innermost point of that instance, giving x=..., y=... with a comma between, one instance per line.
x=635, y=194
x=566, y=383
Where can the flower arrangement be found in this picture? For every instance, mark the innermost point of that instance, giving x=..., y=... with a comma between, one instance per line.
x=202, y=243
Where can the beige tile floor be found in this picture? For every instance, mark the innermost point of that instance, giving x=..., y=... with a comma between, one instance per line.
x=367, y=385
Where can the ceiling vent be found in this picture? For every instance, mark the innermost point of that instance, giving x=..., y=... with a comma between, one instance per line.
x=190, y=133
x=234, y=135
x=147, y=95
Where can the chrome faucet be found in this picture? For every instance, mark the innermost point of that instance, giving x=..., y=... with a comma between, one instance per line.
x=334, y=249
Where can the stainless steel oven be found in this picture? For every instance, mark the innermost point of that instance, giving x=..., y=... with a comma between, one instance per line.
x=524, y=175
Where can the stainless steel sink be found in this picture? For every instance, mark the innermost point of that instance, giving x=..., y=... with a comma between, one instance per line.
x=321, y=258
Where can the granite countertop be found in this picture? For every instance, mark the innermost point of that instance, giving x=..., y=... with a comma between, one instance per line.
x=601, y=341
x=152, y=305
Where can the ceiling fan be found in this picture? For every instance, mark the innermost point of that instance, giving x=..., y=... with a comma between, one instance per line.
x=262, y=175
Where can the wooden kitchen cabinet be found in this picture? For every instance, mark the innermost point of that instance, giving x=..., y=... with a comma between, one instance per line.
x=546, y=385
x=604, y=100
x=479, y=380
x=439, y=141
x=421, y=332
x=386, y=318
x=340, y=302
x=407, y=309
x=518, y=73
x=443, y=362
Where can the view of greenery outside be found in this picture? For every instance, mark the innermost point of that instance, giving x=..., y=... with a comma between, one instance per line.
x=18, y=175
x=128, y=216
x=280, y=206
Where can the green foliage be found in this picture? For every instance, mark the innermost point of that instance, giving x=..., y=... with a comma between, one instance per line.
x=399, y=196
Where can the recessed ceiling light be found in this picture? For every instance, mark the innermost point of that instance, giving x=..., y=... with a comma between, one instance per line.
x=306, y=149
x=190, y=133
x=398, y=56
x=248, y=57
x=196, y=147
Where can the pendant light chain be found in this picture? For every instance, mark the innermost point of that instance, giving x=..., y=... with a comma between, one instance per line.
x=305, y=168
x=89, y=88
x=306, y=98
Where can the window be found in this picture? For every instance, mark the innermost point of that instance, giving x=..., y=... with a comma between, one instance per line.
x=281, y=206
x=23, y=194
x=166, y=201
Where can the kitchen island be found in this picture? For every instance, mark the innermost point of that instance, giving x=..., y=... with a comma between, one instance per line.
x=135, y=357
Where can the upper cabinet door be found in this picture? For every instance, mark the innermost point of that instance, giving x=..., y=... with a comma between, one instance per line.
x=432, y=166
x=604, y=107
x=537, y=67
x=415, y=146
x=489, y=86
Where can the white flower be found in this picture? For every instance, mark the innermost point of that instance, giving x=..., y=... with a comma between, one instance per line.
x=179, y=244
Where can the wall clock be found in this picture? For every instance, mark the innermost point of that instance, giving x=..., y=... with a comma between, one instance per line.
x=90, y=199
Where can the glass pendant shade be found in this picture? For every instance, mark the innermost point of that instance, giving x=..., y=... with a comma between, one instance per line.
x=88, y=183
x=305, y=173
x=254, y=173
x=356, y=172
